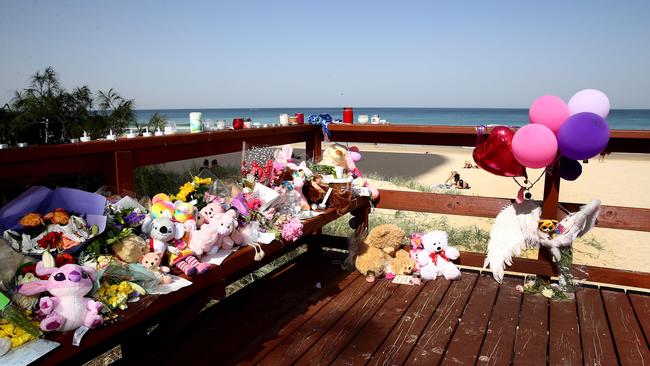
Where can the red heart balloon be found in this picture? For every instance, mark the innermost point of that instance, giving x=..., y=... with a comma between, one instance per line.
x=494, y=154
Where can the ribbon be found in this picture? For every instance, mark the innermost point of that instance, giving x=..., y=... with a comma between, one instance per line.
x=434, y=257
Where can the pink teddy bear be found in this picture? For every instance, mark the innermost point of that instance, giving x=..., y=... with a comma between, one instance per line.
x=67, y=308
x=215, y=234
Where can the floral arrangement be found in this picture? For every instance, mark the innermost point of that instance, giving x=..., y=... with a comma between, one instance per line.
x=116, y=296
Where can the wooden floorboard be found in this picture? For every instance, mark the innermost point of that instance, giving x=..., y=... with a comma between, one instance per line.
x=336, y=338
x=641, y=305
x=365, y=343
x=271, y=337
x=597, y=342
x=304, y=337
x=630, y=344
x=532, y=338
x=348, y=321
x=564, y=345
x=466, y=342
x=397, y=346
x=499, y=341
x=431, y=346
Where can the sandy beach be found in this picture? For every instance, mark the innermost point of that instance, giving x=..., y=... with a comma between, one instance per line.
x=620, y=180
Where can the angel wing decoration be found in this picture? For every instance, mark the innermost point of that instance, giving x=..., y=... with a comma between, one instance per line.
x=516, y=229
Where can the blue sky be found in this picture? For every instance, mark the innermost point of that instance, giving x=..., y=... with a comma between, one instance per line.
x=225, y=54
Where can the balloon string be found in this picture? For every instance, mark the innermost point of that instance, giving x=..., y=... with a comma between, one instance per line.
x=531, y=185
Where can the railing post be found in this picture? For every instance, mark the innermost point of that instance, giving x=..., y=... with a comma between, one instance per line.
x=119, y=173
x=313, y=148
x=549, y=208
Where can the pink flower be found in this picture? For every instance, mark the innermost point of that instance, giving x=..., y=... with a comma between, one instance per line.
x=519, y=288
x=292, y=230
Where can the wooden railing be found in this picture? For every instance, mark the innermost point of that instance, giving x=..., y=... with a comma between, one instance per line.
x=115, y=160
x=616, y=217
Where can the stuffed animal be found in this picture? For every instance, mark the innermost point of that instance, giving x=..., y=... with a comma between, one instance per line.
x=130, y=249
x=415, y=248
x=435, y=258
x=215, y=234
x=165, y=237
x=208, y=212
x=377, y=249
x=402, y=264
x=67, y=308
x=152, y=261
x=185, y=213
x=517, y=227
x=161, y=203
x=335, y=155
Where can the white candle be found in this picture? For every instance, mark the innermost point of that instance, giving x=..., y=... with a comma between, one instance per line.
x=111, y=136
x=131, y=135
x=363, y=119
x=85, y=137
x=221, y=124
x=284, y=119
x=146, y=132
x=158, y=132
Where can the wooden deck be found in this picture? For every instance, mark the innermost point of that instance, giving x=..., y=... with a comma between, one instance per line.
x=311, y=312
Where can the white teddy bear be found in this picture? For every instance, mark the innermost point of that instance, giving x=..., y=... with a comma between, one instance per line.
x=435, y=258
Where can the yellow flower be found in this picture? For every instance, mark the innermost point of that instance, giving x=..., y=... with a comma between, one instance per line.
x=201, y=181
x=184, y=190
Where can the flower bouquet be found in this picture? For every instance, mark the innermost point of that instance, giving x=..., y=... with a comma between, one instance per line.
x=63, y=219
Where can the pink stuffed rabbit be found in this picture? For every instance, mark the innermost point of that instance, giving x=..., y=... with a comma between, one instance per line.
x=67, y=308
x=215, y=234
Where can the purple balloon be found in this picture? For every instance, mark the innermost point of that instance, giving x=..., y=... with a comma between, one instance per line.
x=583, y=136
x=570, y=169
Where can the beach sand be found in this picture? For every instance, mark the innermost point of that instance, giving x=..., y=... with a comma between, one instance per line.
x=620, y=180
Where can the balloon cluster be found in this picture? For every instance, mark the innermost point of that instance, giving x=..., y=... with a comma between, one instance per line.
x=577, y=129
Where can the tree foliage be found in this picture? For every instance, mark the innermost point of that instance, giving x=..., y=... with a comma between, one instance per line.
x=46, y=99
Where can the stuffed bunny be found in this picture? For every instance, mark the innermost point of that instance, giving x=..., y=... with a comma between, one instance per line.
x=152, y=261
x=67, y=308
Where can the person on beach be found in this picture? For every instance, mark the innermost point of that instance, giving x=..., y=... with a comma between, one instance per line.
x=468, y=165
x=601, y=157
x=457, y=181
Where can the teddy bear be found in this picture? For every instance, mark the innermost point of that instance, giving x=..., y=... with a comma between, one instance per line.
x=130, y=249
x=402, y=264
x=165, y=237
x=152, y=261
x=67, y=308
x=373, y=252
x=435, y=257
x=215, y=234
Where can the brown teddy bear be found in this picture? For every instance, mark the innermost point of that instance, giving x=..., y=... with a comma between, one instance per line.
x=377, y=249
x=402, y=264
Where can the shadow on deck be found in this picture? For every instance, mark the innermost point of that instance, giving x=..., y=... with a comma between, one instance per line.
x=311, y=312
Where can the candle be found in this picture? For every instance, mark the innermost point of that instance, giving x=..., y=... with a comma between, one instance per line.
x=131, y=135
x=363, y=119
x=85, y=137
x=4, y=146
x=74, y=141
x=284, y=119
x=195, y=122
x=301, y=118
x=22, y=144
x=293, y=120
x=158, y=132
x=111, y=136
x=146, y=132
x=375, y=119
x=221, y=124
x=237, y=123
x=348, y=115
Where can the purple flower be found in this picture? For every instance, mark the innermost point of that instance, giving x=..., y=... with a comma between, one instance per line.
x=134, y=219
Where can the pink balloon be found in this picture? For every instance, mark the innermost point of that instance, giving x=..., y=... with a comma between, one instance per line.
x=355, y=156
x=550, y=111
x=534, y=146
x=590, y=100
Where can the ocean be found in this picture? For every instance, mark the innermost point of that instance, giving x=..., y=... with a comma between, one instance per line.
x=623, y=119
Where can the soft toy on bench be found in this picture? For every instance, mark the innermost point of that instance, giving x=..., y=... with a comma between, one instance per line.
x=67, y=308
x=435, y=257
x=215, y=234
x=164, y=233
x=379, y=247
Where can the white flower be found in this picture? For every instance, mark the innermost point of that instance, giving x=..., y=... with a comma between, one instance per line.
x=547, y=292
x=519, y=288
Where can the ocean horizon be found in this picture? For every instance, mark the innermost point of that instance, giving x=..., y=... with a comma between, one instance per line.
x=618, y=119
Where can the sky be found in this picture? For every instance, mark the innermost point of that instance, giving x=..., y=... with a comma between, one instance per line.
x=230, y=54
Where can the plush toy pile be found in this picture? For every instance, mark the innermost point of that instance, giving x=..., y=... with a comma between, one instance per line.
x=76, y=256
